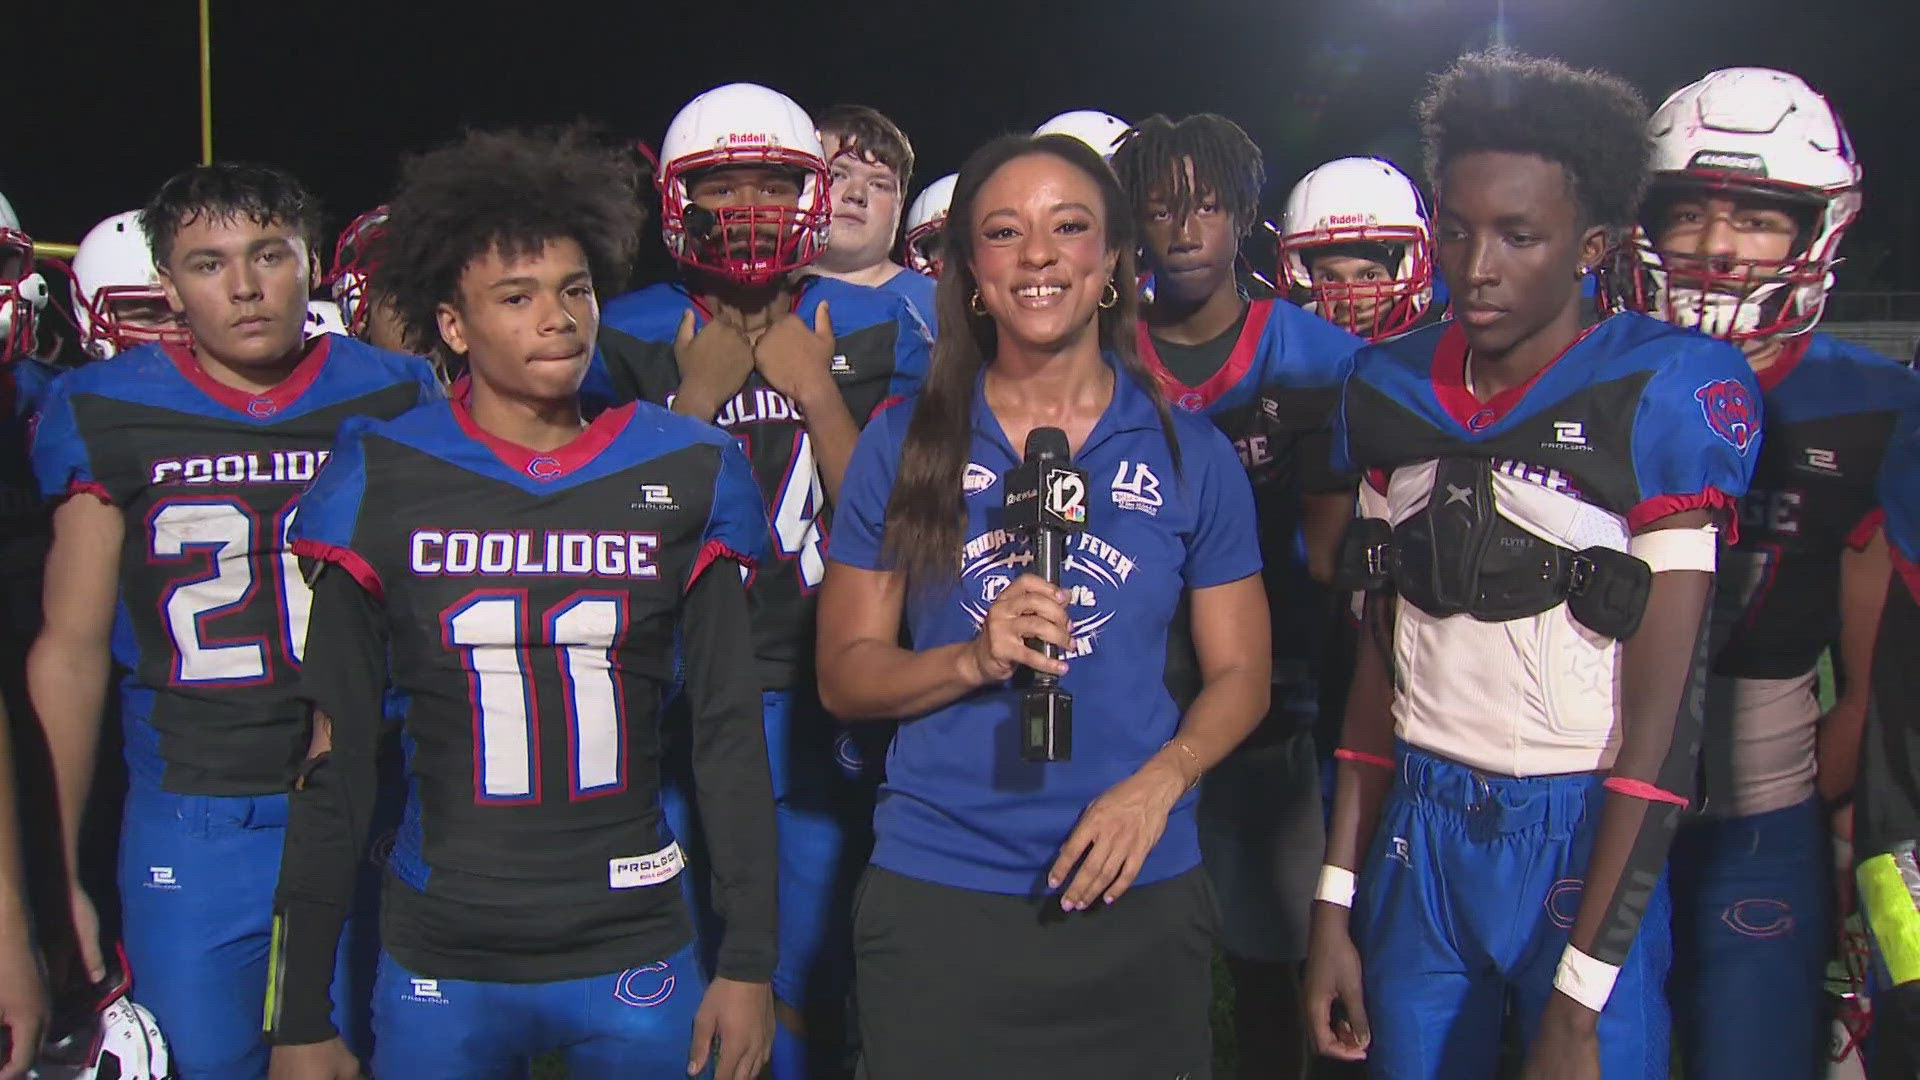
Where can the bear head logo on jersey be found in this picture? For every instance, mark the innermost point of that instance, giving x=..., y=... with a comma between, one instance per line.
x=739, y=230
x=23, y=291
x=926, y=220
x=117, y=299
x=1759, y=138
x=1729, y=412
x=354, y=259
x=1366, y=214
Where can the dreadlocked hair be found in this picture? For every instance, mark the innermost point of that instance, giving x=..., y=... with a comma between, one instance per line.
x=1151, y=163
x=510, y=192
x=1590, y=123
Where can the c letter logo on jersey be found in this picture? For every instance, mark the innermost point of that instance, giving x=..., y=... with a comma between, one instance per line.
x=1729, y=412
x=544, y=468
x=977, y=478
x=1139, y=492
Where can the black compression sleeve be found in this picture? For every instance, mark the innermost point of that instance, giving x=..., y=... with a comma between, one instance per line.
x=731, y=780
x=345, y=676
x=1663, y=688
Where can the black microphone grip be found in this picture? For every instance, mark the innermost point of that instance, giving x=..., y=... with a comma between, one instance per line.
x=1046, y=498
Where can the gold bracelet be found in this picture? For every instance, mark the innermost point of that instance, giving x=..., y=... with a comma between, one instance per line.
x=1198, y=769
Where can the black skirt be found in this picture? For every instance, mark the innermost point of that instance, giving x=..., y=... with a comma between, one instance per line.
x=953, y=983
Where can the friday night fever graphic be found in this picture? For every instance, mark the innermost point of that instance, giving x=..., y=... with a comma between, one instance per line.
x=1092, y=572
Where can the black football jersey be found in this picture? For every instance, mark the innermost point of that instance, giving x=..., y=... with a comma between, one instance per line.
x=880, y=355
x=213, y=611
x=1830, y=408
x=1274, y=397
x=527, y=611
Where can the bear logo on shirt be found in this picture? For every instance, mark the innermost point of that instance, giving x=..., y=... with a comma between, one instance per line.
x=1729, y=412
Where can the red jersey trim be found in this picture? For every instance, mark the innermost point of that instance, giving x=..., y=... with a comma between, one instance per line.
x=1449, y=378
x=1361, y=757
x=346, y=559
x=1773, y=374
x=1710, y=498
x=266, y=404
x=1239, y=361
x=1862, y=533
x=885, y=404
x=90, y=487
x=1908, y=572
x=714, y=550
x=1640, y=789
x=549, y=464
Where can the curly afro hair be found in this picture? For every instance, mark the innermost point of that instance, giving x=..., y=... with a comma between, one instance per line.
x=1226, y=165
x=509, y=191
x=1591, y=123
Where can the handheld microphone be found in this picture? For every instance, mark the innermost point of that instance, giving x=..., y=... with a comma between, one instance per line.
x=1046, y=499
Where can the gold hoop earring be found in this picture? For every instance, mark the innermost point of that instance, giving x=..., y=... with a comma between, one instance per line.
x=1111, y=290
x=974, y=304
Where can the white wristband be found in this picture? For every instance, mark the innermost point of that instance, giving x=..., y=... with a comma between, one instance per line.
x=1336, y=886
x=1584, y=979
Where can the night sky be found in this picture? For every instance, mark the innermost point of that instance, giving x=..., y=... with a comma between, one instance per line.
x=105, y=95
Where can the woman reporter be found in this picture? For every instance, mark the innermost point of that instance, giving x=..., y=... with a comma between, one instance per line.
x=1028, y=918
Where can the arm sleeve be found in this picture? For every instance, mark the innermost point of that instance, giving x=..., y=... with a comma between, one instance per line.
x=61, y=464
x=737, y=529
x=1696, y=434
x=1339, y=456
x=912, y=354
x=329, y=510
x=731, y=779
x=330, y=813
x=860, y=518
x=1224, y=545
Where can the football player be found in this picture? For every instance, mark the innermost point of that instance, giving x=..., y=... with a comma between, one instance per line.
x=1355, y=246
x=1543, y=497
x=369, y=316
x=519, y=576
x=23, y=290
x=925, y=219
x=792, y=370
x=178, y=466
x=1267, y=373
x=1754, y=185
x=1887, y=811
x=869, y=165
x=118, y=300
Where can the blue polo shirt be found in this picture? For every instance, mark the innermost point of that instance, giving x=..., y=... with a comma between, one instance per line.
x=960, y=806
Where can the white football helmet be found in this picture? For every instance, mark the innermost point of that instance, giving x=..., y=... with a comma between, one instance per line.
x=323, y=317
x=23, y=290
x=743, y=124
x=1748, y=131
x=1102, y=131
x=106, y=1037
x=926, y=220
x=353, y=262
x=1367, y=207
x=114, y=269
